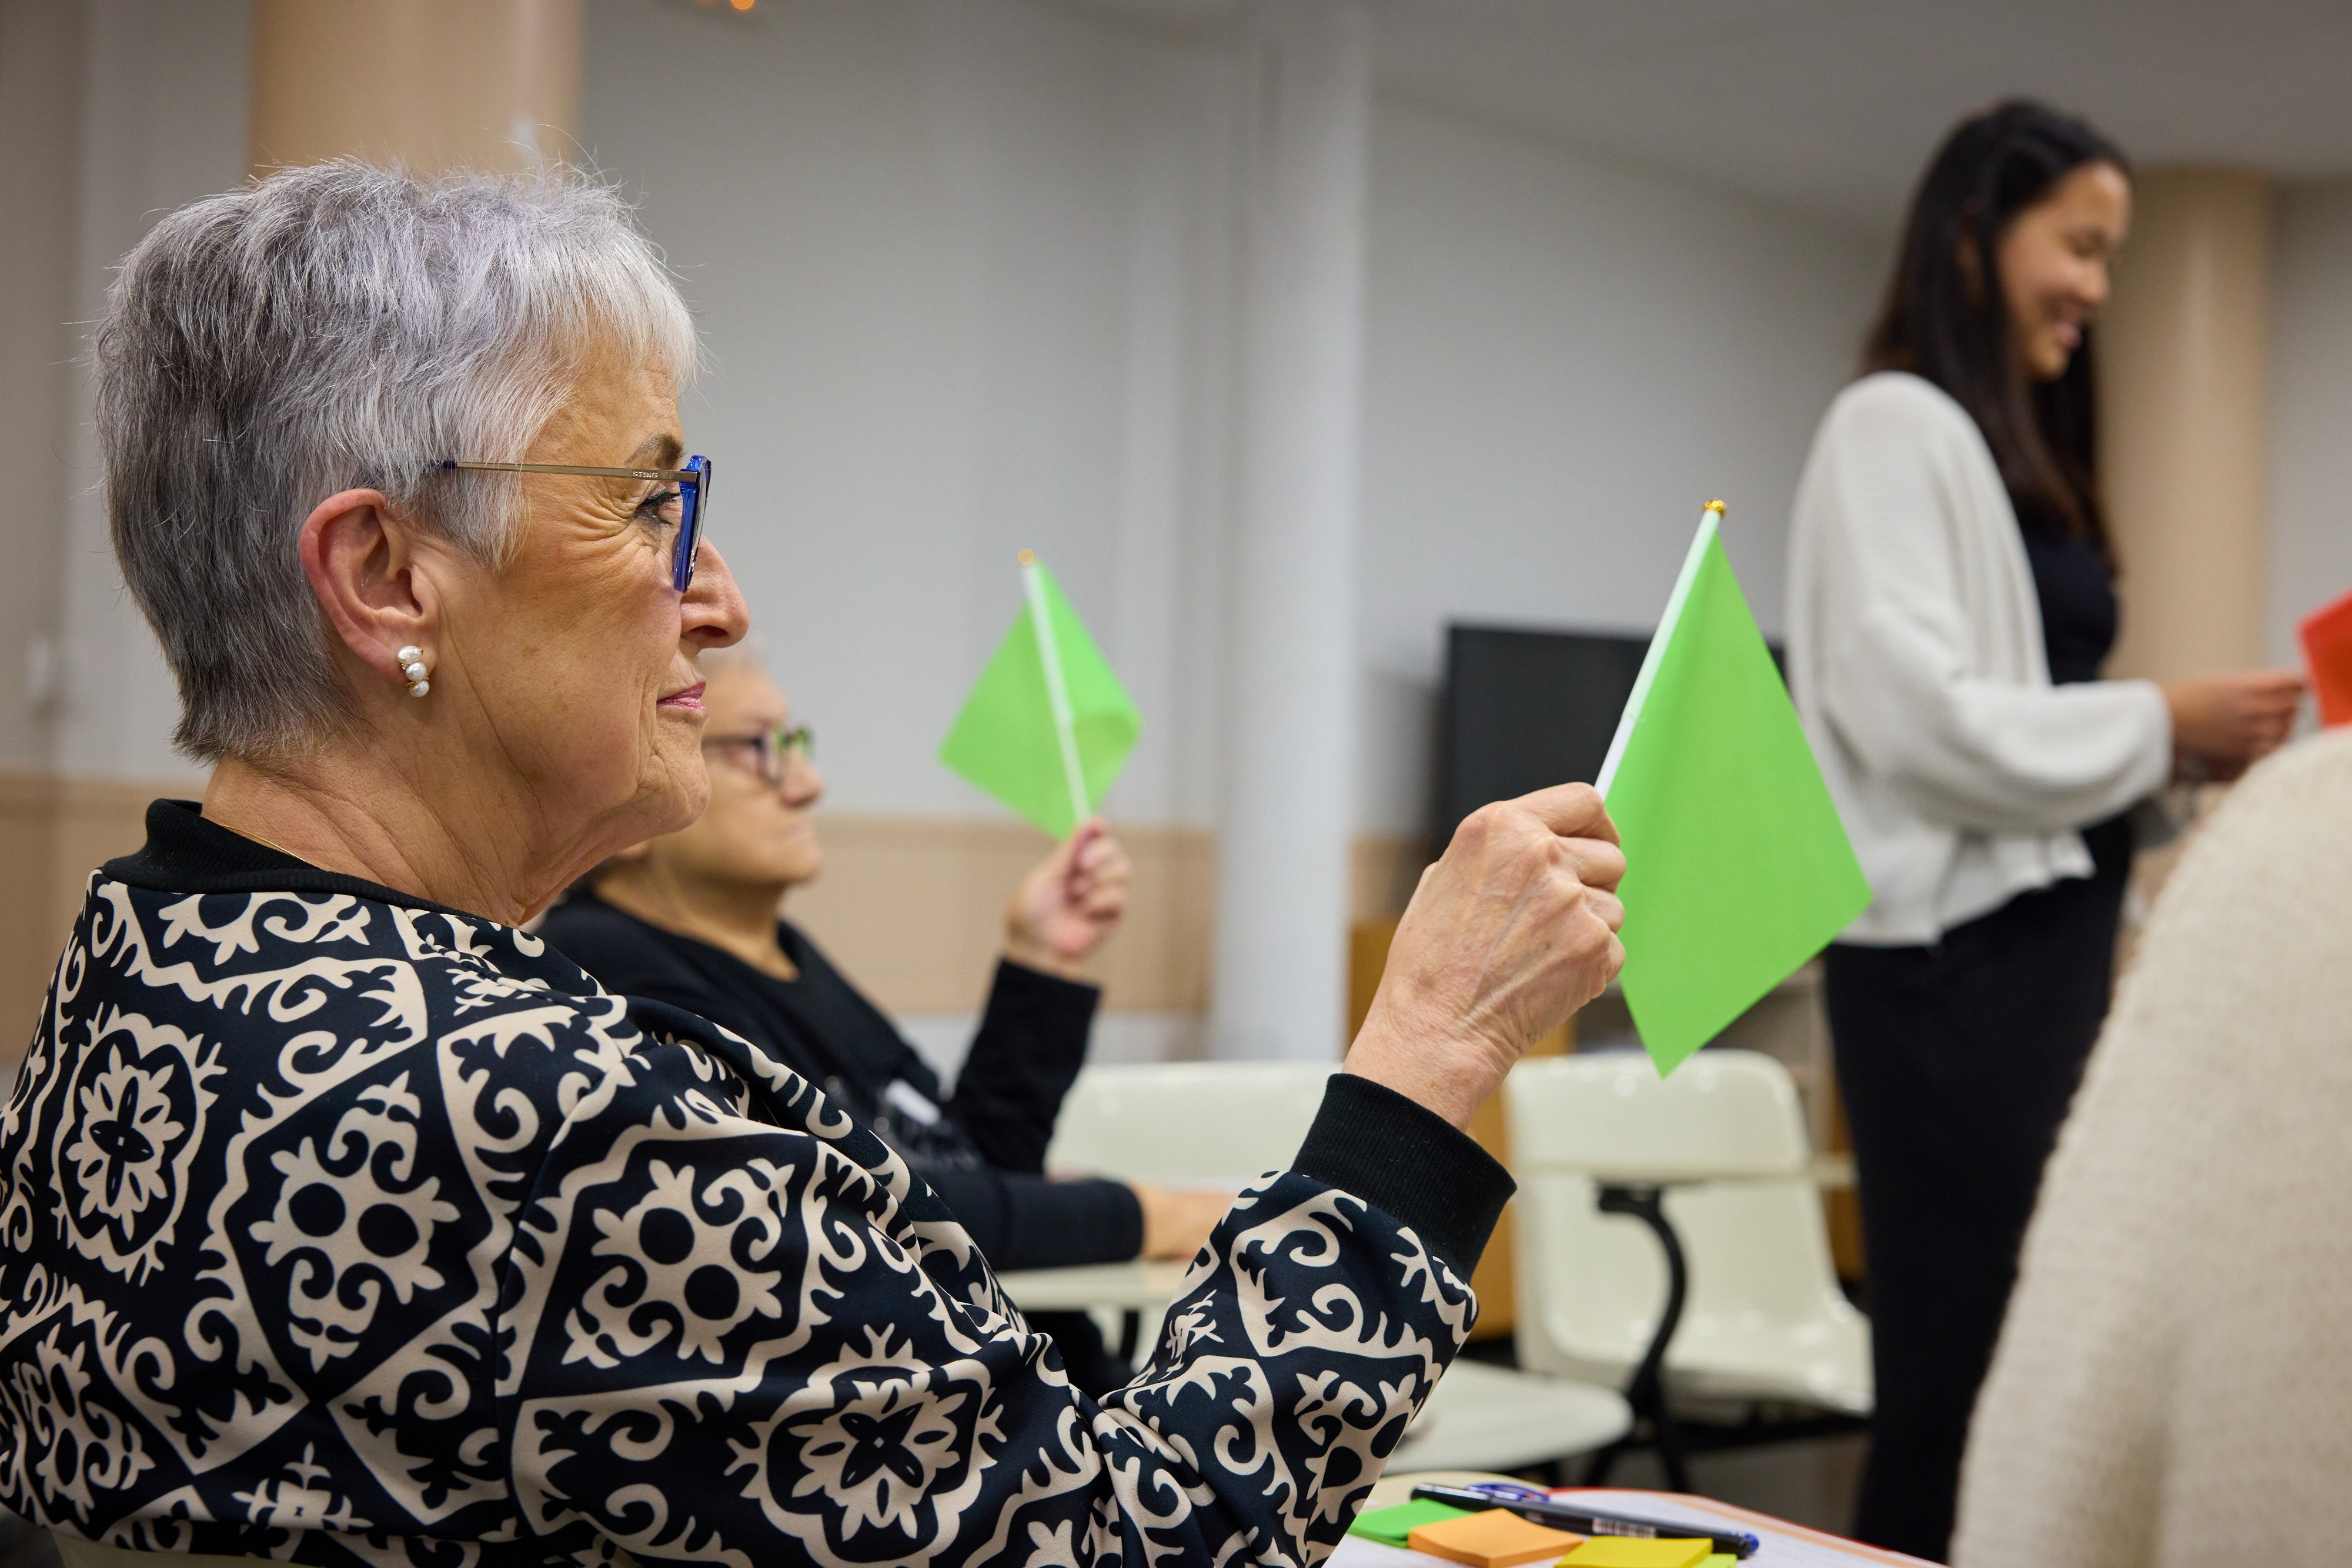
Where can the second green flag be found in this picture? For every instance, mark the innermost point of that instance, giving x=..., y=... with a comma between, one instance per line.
x=1737, y=868
x=1047, y=727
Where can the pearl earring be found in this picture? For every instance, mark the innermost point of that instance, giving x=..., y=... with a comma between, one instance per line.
x=412, y=665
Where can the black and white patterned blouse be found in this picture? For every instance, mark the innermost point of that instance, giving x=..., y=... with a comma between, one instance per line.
x=344, y=1227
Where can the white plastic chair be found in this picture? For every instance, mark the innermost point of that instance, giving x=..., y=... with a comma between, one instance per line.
x=1188, y=1123
x=1487, y=1418
x=1765, y=1319
x=1182, y=1123
x=1225, y=1123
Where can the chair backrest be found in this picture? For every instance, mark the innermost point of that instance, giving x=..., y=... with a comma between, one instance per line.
x=1589, y=1286
x=1728, y=1112
x=1216, y=1124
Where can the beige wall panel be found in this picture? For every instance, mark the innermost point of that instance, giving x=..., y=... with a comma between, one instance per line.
x=53, y=834
x=431, y=84
x=2185, y=421
x=28, y=947
x=1383, y=869
x=914, y=908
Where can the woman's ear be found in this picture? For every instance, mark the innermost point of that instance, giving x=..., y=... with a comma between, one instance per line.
x=362, y=557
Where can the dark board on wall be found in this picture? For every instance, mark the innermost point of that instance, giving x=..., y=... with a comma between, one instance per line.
x=1523, y=709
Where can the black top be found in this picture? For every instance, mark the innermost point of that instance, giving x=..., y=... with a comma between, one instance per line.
x=2080, y=618
x=984, y=1149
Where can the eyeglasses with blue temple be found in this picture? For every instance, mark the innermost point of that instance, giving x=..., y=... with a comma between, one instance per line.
x=693, y=482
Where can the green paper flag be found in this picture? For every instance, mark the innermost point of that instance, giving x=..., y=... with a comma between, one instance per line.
x=1737, y=868
x=1048, y=726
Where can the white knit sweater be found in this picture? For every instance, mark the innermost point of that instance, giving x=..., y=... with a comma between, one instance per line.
x=1916, y=660
x=2174, y=1382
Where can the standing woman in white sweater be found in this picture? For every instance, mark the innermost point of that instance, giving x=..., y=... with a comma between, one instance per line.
x=1950, y=603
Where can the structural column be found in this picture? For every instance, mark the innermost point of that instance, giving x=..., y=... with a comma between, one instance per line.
x=1280, y=984
x=2184, y=423
x=430, y=84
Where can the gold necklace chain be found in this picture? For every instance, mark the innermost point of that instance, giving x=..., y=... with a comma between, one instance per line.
x=264, y=839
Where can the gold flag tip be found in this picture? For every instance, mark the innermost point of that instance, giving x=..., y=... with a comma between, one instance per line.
x=1715, y=506
x=1029, y=557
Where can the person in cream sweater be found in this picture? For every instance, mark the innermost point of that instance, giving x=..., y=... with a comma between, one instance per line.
x=1950, y=606
x=2174, y=1382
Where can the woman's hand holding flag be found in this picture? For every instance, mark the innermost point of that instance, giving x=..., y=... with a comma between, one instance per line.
x=1513, y=930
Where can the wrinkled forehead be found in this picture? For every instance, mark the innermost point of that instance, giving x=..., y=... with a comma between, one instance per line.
x=616, y=407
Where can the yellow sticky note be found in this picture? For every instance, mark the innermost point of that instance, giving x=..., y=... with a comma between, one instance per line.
x=1630, y=1551
x=1495, y=1538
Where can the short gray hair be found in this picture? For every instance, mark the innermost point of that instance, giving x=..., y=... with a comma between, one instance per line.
x=333, y=328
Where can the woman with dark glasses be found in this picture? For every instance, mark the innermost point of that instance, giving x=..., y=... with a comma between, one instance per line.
x=692, y=918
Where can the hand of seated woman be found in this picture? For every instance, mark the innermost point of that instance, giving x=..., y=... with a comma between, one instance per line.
x=1513, y=930
x=1177, y=1221
x=1069, y=903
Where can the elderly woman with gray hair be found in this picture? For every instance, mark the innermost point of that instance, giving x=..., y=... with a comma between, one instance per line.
x=347, y=1222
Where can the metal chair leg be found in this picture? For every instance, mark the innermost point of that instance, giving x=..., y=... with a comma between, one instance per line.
x=1646, y=1392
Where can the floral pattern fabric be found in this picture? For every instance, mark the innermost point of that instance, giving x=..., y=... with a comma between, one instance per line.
x=339, y=1230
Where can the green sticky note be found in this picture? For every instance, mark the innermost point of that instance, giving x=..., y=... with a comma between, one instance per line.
x=1390, y=1526
x=1736, y=867
x=1720, y=1560
x=1009, y=738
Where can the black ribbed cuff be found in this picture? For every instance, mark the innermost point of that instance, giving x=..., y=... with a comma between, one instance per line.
x=1042, y=1008
x=1373, y=1143
x=1063, y=1224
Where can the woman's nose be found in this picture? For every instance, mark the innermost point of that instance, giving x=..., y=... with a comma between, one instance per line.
x=2094, y=287
x=714, y=611
x=803, y=782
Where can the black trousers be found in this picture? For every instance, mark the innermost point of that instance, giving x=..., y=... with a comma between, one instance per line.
x=1956, y=1062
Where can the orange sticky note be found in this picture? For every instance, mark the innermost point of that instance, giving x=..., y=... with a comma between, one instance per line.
x=1495, y=1538
x=1628, y=1551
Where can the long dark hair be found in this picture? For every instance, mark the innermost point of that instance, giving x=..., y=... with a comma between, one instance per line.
x=1947, y=320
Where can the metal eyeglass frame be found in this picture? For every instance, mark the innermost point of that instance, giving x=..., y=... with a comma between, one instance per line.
x=773, y=748
x=693, y=482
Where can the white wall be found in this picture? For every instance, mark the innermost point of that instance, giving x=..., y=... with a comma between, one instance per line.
x=2311, y=408
x=40, y=78
x=164, y=123
x=963, y=267
x=114, y=111
x=1568, y=360
x=965, y=271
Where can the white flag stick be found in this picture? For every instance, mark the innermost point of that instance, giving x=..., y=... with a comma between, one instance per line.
x=1707, y=521
x=1058, y=694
